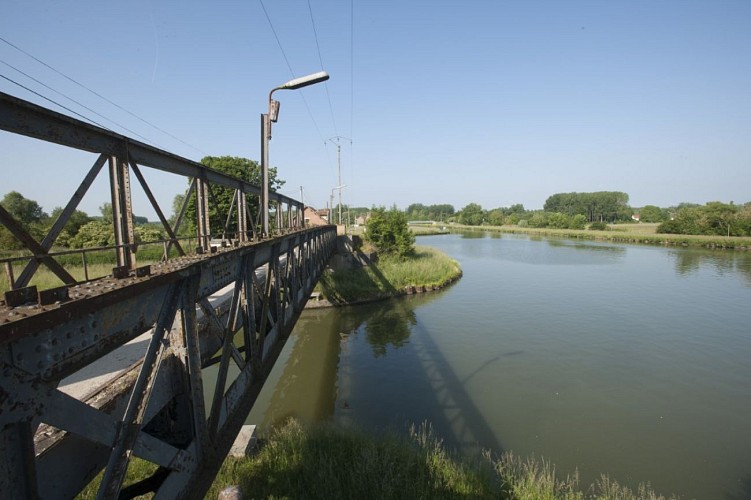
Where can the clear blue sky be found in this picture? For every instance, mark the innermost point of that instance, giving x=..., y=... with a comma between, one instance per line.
x=445, y=101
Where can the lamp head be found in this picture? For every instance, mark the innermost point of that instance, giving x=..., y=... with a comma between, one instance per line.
x=304, y=81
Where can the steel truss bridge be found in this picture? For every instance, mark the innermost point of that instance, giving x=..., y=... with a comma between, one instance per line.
x=230, y=301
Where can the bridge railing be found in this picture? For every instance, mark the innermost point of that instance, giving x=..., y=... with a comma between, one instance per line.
x=124, y=156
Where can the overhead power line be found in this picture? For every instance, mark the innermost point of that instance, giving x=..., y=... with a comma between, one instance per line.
x=99, y=95
x=73, y=100
x=351, y=65
x=53, y=102
x=289, y=66
x=320, y=59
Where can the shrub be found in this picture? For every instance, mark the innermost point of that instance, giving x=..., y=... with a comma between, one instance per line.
x=578, y=221
x=388, y=231
x=598, y=226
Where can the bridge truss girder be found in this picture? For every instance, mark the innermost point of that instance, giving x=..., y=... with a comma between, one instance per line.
x=52, y=445
x=123, y=155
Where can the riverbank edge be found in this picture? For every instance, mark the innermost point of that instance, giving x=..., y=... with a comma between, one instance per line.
x=621, y=236
x=318, y=301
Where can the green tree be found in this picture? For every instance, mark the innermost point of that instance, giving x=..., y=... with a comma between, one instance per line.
x=516, y=209
x=29, y=215
x=652, y=213
x=718, y=218
x=496, y=217
x=418, y=211
x=388, y=231
x=472, y=215
x=96, y=233
x=538, y=219
x=106, y=210
x=22, y=209
x=558, y=220
x=149, y=232
x=77, y=219
x=578, y=221
x=607, y=206
x=241, y=168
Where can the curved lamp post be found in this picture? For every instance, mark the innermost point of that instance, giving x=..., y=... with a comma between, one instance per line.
x=266, y=120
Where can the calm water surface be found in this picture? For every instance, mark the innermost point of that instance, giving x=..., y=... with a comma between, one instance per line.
x=633, y=361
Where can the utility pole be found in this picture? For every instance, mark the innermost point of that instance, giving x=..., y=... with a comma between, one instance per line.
x=336, y=140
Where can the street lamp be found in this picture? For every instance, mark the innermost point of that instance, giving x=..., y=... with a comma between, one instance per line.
x=266, y=120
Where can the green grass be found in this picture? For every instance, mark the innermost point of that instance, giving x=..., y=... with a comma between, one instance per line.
x=428, y=230
x=329, y=462
x=44, y=278
x=138, y=469
x=99, y=264
x=389, y=276
x=324, y=461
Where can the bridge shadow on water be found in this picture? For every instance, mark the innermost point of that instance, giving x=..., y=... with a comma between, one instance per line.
x=377, y=367
x=406, y=379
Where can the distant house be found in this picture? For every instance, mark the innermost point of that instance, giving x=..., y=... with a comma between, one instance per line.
x=636, y=217
x=361, y=220
x=315, y=217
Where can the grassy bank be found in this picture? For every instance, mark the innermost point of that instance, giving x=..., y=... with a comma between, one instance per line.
x=622, y=233
x=324, y=461
x=389, y=277
x=329, y=462
x=429, y=230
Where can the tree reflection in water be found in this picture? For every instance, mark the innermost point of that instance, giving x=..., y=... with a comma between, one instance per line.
x=724, y=262
x=389, y=326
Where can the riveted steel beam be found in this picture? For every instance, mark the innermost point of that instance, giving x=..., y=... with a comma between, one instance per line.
x=25, y=118
x=45, y=344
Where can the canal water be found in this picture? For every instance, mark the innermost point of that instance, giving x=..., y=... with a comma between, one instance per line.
x=634, y=361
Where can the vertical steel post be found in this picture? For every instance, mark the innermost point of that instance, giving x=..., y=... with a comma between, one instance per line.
x=9, y=274
x=122, y=212
x=202, y=205
x=265, y=136
x=18, y=478
x=242, y=216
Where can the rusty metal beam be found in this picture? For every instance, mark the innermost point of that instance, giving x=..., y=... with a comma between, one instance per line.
x=202, y=213
x=25, y=118
x=183, y=208
x=155, y=205
x=44, y=345
x=122, y=212
x=156, y=411
x=59, y=224
x=30, y=243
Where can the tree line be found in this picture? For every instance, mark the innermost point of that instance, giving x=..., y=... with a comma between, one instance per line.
x=561, y=211
x=598, y=209
x=713, y=218
x=81, y=230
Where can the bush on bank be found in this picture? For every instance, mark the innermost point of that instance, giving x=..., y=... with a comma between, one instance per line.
x=389, y=276
x=388, y=232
